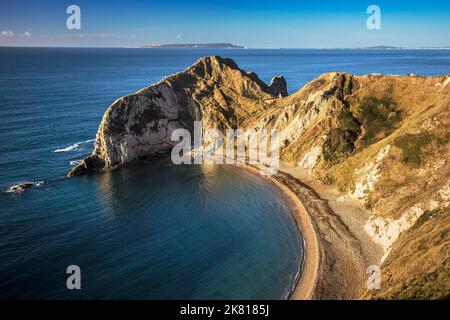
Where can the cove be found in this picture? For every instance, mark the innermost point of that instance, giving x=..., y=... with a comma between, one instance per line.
x=152, y=230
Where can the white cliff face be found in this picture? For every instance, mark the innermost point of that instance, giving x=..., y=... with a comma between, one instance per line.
x=214, y=91
x=367, y=177
x=141, y=125
x=294, y=121
x=293, y=128
x=310, y=159
x=386, y=230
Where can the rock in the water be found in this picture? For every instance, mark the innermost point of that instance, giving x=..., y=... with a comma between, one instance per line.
x=23, y=186
x=92, y=163
x=278, y=86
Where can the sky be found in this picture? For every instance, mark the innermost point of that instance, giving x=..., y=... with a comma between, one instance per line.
x=255, y=24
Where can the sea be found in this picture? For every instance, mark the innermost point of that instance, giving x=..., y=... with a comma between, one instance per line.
x=151, y=230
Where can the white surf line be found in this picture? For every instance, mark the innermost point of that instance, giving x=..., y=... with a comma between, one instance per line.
x=74, y=146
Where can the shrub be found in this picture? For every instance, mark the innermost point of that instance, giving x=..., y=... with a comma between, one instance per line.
x=377, y=116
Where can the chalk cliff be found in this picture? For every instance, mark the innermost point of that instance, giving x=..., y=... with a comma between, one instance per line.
x=213, y=90
x=383, y=140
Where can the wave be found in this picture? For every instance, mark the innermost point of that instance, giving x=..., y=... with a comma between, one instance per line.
x=69, y=148
x=74, y=162
x=74, y=147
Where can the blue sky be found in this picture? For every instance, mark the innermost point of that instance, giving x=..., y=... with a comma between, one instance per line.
x=262, y=24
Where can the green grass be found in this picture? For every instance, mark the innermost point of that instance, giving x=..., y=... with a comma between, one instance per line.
x=374, y=115
x=341, y=138
x=377, y=116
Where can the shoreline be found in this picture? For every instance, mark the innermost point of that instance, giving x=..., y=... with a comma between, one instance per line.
x=305, y=282
x=305, y=285
x=337, y=251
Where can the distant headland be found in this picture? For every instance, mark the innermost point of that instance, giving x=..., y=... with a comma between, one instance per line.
x=193, y=45
x=404, y=48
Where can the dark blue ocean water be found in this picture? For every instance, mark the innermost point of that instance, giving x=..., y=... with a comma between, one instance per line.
x=151, y=230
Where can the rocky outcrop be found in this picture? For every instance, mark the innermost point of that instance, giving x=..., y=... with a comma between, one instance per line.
x=213, y=90
x=278, y=86
x=383, y=140
x=19, y=188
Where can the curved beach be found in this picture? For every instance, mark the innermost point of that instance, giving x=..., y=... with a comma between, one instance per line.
x=306, y=282
x=304, y=288
x=336, y=254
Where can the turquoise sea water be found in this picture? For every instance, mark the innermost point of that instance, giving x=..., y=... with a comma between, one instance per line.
x=152, y=230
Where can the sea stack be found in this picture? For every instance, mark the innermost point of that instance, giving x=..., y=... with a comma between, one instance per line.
x=278, y=86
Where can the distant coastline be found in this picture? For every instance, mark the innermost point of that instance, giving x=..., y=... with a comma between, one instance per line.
x=228, y=46
x=404, y=48
x=220, y=45
x=192, y=46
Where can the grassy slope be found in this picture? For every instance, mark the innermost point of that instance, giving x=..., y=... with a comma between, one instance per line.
x=419, y=265
x=411, y=115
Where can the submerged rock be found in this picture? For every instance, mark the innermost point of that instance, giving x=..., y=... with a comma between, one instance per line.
x=18, y=188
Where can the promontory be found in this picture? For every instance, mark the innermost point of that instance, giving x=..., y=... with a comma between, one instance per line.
x=368, y=156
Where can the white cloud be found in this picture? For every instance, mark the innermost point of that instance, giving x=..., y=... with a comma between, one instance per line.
x=7, y=33
x=179, y=36
x=27, y=34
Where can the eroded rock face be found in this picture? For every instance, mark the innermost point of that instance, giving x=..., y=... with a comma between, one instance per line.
x=333, y=113
x=213, y=90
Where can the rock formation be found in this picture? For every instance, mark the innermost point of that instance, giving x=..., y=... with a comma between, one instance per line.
x=213, y=90
x=278, y=86
x=18, y=188
x=21, y=187
x=383, y=140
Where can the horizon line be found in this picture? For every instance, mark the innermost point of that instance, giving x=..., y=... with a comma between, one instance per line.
x=382, y=47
